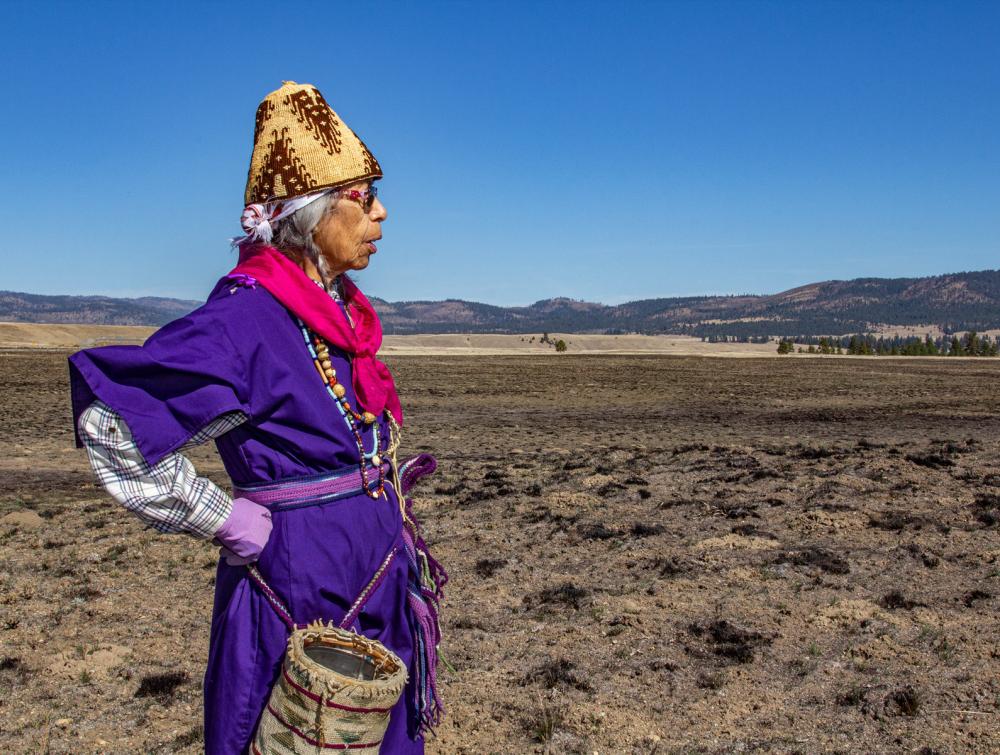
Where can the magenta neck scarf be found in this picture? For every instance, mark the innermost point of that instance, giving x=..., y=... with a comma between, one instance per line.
x=289, y=284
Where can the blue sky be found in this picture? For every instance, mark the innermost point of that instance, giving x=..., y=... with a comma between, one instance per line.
x=601, y=151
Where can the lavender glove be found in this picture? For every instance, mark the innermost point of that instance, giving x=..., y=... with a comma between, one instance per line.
x=244, y=533
x=232, y=559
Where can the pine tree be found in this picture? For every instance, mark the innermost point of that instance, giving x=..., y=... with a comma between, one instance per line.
x=972, y=343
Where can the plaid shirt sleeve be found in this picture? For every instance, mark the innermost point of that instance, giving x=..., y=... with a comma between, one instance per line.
x=169, y=496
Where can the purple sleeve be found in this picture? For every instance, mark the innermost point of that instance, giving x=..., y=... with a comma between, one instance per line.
x=184, y=376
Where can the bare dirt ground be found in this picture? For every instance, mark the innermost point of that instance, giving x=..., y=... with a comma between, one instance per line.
x=648, y=554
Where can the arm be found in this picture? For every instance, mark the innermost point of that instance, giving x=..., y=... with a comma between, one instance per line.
x=169, y=496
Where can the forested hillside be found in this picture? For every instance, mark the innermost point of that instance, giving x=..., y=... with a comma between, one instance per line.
x=953, y=303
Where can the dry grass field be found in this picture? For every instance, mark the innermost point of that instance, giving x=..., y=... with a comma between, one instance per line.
x=47, y=335
x=647, y=553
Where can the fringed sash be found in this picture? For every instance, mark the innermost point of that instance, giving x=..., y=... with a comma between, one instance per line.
x=424, y=594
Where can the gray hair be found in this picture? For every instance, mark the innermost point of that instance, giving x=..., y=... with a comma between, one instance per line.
x=293, y=235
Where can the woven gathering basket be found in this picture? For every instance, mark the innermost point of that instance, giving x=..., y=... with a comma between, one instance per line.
x=335, y=692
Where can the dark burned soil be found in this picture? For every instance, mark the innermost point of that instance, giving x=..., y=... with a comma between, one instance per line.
x=647, y=555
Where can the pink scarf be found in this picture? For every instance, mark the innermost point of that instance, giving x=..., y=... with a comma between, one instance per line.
x=287, y=283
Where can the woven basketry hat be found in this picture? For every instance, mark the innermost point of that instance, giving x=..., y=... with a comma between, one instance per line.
x=300, y=145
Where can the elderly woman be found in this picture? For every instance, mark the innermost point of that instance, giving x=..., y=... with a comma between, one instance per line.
x=279, y=368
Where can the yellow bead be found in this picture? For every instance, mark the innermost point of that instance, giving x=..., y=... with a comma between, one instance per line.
x=368, y=417
x=376, y=460
x=339, y=391
x=329, y=372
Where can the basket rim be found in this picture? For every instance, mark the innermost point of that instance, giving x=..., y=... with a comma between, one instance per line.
x=320, y=679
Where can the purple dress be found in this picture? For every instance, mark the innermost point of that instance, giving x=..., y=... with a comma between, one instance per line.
x=242, y=350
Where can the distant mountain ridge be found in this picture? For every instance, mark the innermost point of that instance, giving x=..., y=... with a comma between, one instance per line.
x=955, y=302
x=92, y=310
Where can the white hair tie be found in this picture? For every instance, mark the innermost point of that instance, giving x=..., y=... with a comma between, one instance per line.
x=257, y=219
x=256, y=222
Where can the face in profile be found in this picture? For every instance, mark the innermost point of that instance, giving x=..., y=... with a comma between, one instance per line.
x=347, y=233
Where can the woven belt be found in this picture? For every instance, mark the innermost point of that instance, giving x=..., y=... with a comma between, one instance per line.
x=296, y=492
x=311, y=490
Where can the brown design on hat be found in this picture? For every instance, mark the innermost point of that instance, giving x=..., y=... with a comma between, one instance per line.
x=264, y=111
x=282, y=174
x=301, y=145
x=371, y=164
x=311, y=108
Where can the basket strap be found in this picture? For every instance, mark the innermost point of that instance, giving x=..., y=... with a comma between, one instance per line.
x=352, y=614
x=272, y=597
x=370, y=588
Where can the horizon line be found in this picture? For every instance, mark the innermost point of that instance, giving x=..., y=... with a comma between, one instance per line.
x=619, y=302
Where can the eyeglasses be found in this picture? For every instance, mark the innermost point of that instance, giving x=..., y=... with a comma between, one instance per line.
x=365, y=198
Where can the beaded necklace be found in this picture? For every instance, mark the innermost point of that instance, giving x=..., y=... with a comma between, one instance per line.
x=319, y=350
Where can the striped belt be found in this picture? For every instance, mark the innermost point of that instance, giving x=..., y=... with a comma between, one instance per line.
x=311, y=490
